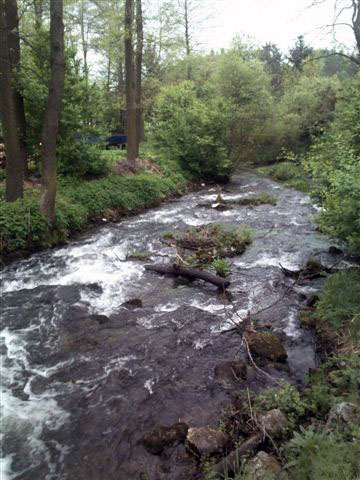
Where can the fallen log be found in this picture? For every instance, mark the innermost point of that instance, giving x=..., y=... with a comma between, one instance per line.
x=190, y=273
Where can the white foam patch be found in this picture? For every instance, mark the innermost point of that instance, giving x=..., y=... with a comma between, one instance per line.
x=292, y=325
x=27, y=417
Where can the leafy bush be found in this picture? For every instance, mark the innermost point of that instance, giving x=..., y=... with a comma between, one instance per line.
x=319, y=455
x=339, y=303
x=334, y=164
x=287, y=398
x=22, y=227
x=192, y=131
x=79, y=158
x=289, y=173
x=221, y=266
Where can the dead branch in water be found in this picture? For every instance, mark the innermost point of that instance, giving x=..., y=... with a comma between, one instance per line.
x=190, y=273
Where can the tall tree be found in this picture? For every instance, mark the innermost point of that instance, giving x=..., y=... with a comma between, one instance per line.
x=52, y=113
x=12, y=24
x=299, y=53
x=130, y=84
x=14, y=160
x=138, y=89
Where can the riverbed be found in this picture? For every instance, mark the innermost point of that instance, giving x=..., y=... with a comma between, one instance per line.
x=86, y=377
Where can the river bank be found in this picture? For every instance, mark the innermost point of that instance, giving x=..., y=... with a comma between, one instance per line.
x=106, y=371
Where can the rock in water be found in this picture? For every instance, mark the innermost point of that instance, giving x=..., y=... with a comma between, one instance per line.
x=163, y=437
x=231, y=370
x=266, y=345
x=206, y=440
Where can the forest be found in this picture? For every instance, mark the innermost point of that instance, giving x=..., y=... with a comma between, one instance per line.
x=112, y=114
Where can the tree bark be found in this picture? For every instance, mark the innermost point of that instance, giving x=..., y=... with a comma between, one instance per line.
x=12, y=23
x=14, y=162
x=356, y=23
x=138, y=86
x=52, y=114
x=190, y=273
x=187, y=38
x=130, y=84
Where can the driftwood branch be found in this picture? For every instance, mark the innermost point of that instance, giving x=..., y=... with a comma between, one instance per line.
x=190, y=273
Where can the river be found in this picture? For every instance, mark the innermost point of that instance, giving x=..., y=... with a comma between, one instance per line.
x=84, y=378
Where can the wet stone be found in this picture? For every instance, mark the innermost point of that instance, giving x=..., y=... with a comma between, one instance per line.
x=266, y=345
x=163, y=437
x=206, y=441
x=132, y=304
x=231, y=370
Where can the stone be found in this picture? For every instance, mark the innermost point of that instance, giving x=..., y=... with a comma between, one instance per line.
x=231, y=370
x=206, y=440
x=335, y=250
x=262, y=464
x=266, y=345
x=273, y=422
x=132, y=304
x=342, y=415
x=163, y=437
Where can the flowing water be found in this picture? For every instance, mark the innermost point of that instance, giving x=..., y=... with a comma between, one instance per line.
x=84, y=378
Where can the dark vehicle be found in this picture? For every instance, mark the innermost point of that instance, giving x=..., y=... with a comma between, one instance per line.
x=116, y=141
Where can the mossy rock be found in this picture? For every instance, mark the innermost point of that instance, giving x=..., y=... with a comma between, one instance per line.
x=266, y=345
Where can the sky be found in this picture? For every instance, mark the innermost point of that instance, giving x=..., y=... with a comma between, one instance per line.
x=276, y=21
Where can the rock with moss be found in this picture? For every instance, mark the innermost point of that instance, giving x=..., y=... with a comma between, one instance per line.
x=266, y=345
x=165, y=436
x=231, y=370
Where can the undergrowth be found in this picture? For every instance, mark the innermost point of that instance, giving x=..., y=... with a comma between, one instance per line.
x=289, y=173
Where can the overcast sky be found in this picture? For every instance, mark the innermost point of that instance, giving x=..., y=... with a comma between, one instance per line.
x=276, y=21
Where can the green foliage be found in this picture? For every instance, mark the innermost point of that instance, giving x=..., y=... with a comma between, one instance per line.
x=288, y=172
x=318, y=455
x=168, y=234
x=192, y=130
x=260, y=199
x=334, y=164
x=339, y=303
x=288, y=399
x=254, y=137
x=21, y=223
x=140, y=255
x=221, y=266
x=22, y=227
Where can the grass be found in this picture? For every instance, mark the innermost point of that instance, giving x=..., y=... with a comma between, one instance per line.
x=23, y=228
x=213, y=242
x=260, y=199
x=140, y=255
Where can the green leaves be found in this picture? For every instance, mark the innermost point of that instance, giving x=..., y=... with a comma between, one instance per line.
x=192, y=131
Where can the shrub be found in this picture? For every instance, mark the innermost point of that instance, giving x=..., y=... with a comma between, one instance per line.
x=221, y=266
x=192, y=131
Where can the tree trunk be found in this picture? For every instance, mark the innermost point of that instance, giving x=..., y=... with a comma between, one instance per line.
x=187, y=38
x=130, y=85
x=12, y=24
x=14, y=163
x=52, y=114
x=138, y=89
x=356, y=24
x=39, y=9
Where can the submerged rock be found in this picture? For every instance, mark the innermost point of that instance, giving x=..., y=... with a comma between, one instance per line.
x=206, y=440
x=262, y=465
x=266, y=345
x=231, y=370
x=163, y=437
x=132, y=304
